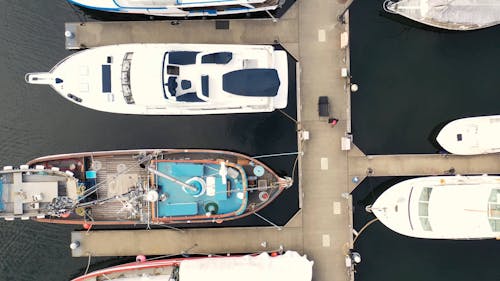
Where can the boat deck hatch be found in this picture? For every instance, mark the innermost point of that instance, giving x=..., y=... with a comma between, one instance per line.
x=459, y=137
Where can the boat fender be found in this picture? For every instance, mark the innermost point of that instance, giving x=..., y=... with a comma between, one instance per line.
x=87, y=226
x=140, y=258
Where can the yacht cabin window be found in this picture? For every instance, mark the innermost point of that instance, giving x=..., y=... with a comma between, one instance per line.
x=125, y=78
x=423, y=208
x=494, y=210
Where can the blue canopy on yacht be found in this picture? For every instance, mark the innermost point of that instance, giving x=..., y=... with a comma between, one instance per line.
x=261, y=82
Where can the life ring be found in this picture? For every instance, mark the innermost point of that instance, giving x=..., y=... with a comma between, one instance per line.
x=211, y=207
x=199, y=184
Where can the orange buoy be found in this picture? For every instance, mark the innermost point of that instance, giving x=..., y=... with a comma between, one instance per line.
x=140, y=258
x=274, y=254
x=87, y=226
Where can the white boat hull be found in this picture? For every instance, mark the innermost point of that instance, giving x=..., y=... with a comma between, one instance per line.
x=471, y=136
x=442, y=207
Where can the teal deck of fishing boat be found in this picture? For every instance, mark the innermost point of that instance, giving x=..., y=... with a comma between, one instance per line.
x=215, y=197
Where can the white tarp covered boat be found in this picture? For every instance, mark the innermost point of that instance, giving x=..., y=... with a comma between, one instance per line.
x=172, y=79
x=180, y=8
x=449, y=14
x=442, y=207
x=290, y=266
x=470, y=136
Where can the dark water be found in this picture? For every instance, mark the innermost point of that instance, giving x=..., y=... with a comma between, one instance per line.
x=413, y=79
x=35, y=121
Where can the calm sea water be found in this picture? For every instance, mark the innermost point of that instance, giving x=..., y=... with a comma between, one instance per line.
x=412, y=80
x=35, y=121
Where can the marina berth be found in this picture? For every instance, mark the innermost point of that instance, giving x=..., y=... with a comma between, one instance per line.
x=446, y=14
x=180, y=8
x=145, y=187
x=290, y=266
x=442, y=207
x=471, y=136
x=172, y=79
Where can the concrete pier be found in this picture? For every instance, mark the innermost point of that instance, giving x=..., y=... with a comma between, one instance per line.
x=311, y=32
x=361, y=165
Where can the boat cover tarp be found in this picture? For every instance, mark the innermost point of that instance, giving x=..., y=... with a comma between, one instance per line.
x=290, y=267
x=480, y=12
x=258, y=82
x=468, y=12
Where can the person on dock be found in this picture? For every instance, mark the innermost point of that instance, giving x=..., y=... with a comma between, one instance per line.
x=333, y=121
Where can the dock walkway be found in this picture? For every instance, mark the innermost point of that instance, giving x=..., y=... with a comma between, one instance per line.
x=310, y=31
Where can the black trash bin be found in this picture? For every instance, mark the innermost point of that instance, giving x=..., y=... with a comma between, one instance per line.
x=323, y=106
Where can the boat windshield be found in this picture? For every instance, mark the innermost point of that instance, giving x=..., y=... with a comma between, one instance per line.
x=494, y=210
x=127, y=91
x=423, y=208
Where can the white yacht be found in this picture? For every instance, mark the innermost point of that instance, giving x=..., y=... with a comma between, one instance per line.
x=180, y=8
x=442, y=207
x=172, y=79
x=448, y=14
x=470, y=136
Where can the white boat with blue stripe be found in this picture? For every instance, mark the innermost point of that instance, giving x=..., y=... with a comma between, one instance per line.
x=173, y=79
x=180, y=8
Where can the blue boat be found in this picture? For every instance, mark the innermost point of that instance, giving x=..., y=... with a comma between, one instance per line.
x=180, y=8
x=159, y=187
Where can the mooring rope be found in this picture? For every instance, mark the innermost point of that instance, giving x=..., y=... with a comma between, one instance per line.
x=88, y=264
x=363, y=228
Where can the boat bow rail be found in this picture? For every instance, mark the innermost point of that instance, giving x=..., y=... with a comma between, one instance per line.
x=42, y=78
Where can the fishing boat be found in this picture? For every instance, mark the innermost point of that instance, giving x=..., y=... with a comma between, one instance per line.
x=290, y=266
x=471, y=136
x=448, y=14
x=150, y=187
x=172, y=79
x=181, y=8
x=442, y=207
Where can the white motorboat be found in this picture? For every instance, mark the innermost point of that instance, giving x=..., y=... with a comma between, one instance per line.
x=442, y=207
x=180, y=8
x=172, y=79
x=448, y=14
x=470, y=136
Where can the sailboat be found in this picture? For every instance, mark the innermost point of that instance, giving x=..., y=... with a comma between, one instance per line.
x=290, y=266
x=141, y=187
x=442, y=207
x=180, y=8
x=448, y=14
